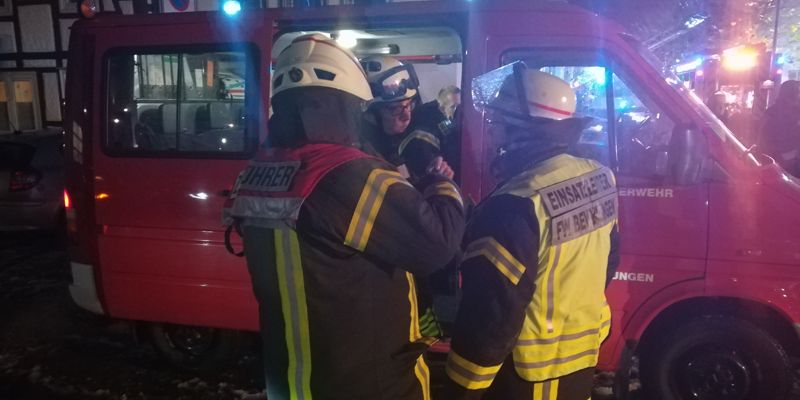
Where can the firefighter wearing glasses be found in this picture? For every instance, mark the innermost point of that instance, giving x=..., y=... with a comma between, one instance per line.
x=540, y=250
x=395, y=86
x=332, y=236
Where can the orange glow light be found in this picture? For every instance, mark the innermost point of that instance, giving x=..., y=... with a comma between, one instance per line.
x=67, y=201
x=739, y=58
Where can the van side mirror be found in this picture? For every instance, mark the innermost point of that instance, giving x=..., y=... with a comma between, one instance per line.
x=688, y=155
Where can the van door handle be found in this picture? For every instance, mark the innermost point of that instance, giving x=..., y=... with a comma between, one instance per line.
x=750, y=252
x=224, y=193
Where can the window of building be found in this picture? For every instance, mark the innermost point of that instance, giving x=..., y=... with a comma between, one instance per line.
x=19, y=102
x=186, y=103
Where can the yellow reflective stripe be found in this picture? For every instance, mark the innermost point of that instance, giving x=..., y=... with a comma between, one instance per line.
x=423, y=375
x=468, y=374
x=554, y=389
x=498, y=255
x=547, y=390
x=444, y=189
x=295, y=313
x=537, y=391
x=421, y=135
x=413, y=333
x=368, y=205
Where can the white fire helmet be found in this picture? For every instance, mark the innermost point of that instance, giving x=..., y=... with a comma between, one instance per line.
x=522, y=95
x=316, y=60
x=390, y=79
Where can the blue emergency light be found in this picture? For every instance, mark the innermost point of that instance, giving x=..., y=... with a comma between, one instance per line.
x=232, y=7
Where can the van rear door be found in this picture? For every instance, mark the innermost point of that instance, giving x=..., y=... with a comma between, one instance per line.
x=179, y=109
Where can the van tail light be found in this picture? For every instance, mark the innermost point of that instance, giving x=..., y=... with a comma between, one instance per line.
x=71, y=217
x=25, y=179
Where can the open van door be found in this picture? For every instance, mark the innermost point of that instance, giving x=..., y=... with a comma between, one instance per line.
x=178, y=106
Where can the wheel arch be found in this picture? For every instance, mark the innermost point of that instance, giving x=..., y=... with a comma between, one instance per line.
x=759, y=314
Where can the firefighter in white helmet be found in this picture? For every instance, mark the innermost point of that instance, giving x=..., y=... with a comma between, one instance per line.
x=391, y=130
x=539, y=251
x=332, y=236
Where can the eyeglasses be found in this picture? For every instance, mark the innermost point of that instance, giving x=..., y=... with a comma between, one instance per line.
x=399, y=109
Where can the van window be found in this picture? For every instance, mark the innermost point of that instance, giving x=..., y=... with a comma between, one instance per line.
x=179, y=102
x=641, y=129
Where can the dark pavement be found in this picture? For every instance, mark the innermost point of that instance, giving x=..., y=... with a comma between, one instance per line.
x=51, y=349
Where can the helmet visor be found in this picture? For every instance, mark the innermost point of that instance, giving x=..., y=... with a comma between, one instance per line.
x=501, y=90
x=395, y=83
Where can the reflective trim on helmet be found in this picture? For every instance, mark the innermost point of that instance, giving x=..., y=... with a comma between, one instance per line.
x=328, y=42
x=385, y=88
x=551, y=109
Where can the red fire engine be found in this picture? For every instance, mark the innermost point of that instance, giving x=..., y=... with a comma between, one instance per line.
x=708, y=291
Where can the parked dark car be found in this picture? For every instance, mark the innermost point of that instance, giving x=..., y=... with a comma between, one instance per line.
x=31, y=182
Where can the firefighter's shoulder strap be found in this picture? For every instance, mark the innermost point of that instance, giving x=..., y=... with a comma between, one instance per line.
x=273, y=187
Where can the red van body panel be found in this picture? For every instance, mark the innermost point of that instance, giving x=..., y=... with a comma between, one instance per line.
x=156, y=242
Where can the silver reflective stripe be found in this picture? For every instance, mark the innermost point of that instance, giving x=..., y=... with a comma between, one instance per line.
x=551, y=279
x=371, y=201
x=572, y=336
x=418, y=135
x=469, y=375
x=422, y=372
x=546, y=391
x=245, y=207
x=554, y=361
x=498, y=255
x=369, y=204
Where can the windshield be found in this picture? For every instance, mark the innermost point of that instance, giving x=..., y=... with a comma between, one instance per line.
x=711, y=120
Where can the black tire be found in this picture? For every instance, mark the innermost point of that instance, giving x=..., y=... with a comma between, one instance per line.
x=716, y=358
x=196, y=349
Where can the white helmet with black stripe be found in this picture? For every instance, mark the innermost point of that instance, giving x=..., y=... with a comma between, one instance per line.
x=316, y=60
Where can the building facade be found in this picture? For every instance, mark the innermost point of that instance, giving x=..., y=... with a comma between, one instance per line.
x=34, y=42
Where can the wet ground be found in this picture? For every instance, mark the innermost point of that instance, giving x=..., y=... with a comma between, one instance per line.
x=51, y=349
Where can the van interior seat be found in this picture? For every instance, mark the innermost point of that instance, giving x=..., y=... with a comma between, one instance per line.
x=189, y=113
x=150, y=115
x=220, y=115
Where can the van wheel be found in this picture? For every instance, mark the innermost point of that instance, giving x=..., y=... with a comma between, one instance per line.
x=716, y=358
x=194, y=348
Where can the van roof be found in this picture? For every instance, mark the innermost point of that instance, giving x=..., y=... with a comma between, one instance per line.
x=579, y=17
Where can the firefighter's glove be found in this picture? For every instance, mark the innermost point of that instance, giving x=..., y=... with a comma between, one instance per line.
x=429, y=325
